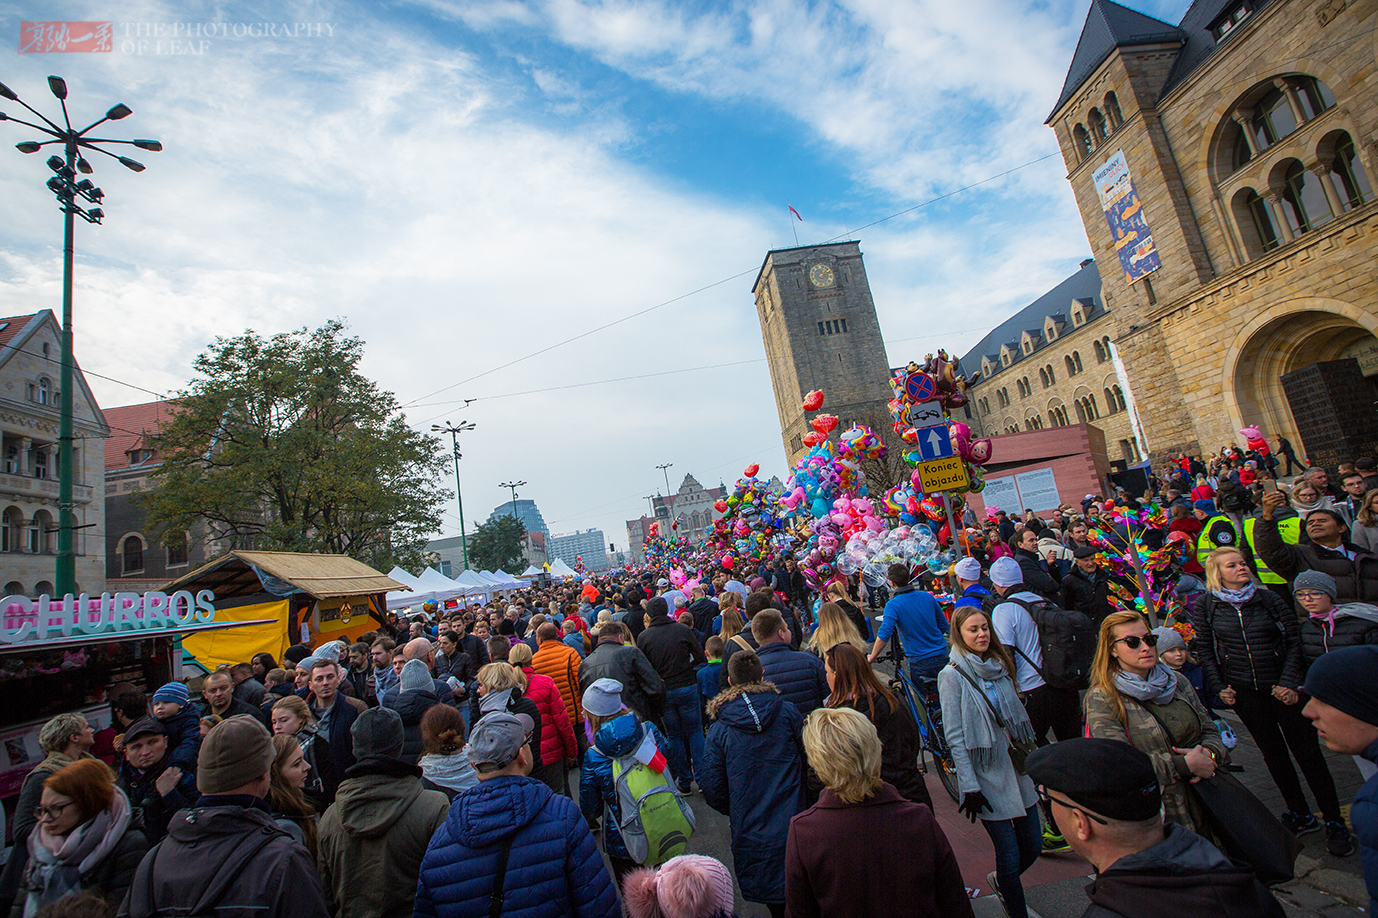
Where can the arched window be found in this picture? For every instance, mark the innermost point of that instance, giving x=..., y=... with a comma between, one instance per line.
x=1082, y=140
x=1272, y=119
x=1118, y=395
x=1076, y=360
x=1110, y=407
x=1081, y=411
x=1096, y=121
x=43, y=588
x=1303, y=200
x=14, y=588
x=1240, y=151
x=1051, y=378
x=1100, y=352
x=11, y=530
x=177, y=549
x=1043, y=378
x=132, y=554
x=1255, y=219
x=1071, y=367
x=44, y=391
x=1112, y=111
x=42, y=536
x=1348, y=174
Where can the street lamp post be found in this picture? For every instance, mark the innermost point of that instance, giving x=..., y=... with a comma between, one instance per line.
x=454, y=430
x=66, y=186
x=667, y=476
x=513, y=485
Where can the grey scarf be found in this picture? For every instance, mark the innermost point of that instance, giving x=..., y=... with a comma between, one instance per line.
x=449, y=771
x=982, y=733
x=1158, y=687
x=1237, y=597
x=494, y=701
x=56, y=864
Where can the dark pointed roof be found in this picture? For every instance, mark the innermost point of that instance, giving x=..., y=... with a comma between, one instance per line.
x=1110, y=26
x=1200, y=43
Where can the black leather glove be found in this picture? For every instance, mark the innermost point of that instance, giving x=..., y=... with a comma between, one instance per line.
x=973, y=802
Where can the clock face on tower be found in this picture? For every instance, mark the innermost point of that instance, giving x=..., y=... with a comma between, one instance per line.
x=821, y=276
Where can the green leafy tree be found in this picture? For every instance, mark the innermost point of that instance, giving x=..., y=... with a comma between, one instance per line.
x=282, y=444
x=497, y=545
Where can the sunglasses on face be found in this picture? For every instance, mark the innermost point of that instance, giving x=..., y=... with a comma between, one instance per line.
x=1134, y=640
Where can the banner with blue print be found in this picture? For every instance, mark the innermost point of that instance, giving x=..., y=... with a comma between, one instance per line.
x=1124, y=213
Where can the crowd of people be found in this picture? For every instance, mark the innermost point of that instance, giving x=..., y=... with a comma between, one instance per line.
x=534, y=756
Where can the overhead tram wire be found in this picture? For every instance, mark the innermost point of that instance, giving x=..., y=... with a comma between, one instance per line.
x=683, y=296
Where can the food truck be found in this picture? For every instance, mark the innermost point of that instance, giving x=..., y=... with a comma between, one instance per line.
x=284, y=598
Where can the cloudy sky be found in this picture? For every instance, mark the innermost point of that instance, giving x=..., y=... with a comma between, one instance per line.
x=554, y=208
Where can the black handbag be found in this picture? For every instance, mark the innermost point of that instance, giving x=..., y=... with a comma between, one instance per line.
x=1247, y=830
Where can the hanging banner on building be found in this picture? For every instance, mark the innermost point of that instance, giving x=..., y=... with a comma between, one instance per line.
x=1124, y=213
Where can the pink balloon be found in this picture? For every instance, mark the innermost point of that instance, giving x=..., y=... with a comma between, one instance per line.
x=874, y=524
x=842, y=519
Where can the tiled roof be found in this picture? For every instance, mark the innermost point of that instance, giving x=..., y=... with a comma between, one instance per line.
x=1110, y=26
x=130, y=426
x=1084, y=286
x=1200, y=43
x=13, y=325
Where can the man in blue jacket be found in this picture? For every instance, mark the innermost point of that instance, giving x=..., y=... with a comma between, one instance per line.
x=753, y=771
x=798, y=675
x=921, y=625
x=552, y=866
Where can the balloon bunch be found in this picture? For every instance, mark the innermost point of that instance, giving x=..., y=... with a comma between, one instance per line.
x=751, y=520
x=870, y=553
x=661, y=553
x=1137, y=555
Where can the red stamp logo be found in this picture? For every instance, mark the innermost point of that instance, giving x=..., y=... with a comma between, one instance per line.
x=65, y=37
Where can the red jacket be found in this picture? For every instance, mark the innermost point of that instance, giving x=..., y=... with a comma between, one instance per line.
x=557, y=733
x=879, y=858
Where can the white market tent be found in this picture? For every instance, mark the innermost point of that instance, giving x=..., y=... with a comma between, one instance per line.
x=531, y=571
x=558, y=568
x=415, y=595
x=441, y=586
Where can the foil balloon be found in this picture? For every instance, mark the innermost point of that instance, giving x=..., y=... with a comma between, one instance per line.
x=813, y=401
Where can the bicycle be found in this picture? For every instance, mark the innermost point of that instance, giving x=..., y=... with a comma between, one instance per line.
x=930, y=736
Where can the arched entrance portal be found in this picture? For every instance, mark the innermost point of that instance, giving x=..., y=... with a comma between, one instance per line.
x=1287, y=337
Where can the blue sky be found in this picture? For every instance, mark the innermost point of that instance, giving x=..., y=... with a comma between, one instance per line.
x=468, y=183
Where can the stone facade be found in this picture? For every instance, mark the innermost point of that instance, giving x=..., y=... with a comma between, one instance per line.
x=1248, y=130
x=1053, y=364
x=692, y=504
x=30, y=349
x=820, y=330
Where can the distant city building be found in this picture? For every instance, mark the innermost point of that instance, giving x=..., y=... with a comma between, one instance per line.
x=692, y=506
x=526, y=512
x=590, y=545
x=819, y=327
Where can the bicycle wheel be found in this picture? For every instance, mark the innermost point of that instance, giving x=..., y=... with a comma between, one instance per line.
x=936, y=746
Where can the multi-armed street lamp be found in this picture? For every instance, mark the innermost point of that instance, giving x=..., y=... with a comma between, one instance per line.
x=513, y=486
x=68, y=188
x=454, y=430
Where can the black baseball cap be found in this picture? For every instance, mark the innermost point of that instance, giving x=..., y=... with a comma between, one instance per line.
x=1108, y=777
x=1086, y=551
x=143, y=726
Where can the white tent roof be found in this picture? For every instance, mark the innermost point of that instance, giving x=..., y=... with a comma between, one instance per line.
x=531, y=571
x=402, y=576
x=441, y=587
x=558, y=568
x=401, y=599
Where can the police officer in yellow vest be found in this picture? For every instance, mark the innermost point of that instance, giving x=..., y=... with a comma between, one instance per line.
x=1219, y=530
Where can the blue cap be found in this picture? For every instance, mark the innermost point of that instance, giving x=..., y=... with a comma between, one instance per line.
x=1205, y=506
x=175, y=692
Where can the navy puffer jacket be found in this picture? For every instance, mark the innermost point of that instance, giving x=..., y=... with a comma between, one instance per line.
x=554, y=868
x=615, y=739
x=799, y=676
x=753, y=770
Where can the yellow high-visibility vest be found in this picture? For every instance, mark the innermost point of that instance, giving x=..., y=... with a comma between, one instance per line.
x=1289, y=529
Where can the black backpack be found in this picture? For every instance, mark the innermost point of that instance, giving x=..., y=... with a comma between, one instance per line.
x=1067, y=640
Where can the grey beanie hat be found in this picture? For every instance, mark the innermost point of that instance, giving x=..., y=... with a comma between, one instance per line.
x=416, y=677
x=377, y=732
x=1169, y=639
x=1315, y=580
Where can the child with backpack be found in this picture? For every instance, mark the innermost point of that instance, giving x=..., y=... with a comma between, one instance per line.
x=625, y=780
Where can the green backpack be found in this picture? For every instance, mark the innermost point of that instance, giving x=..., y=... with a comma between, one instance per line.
x=656, y=821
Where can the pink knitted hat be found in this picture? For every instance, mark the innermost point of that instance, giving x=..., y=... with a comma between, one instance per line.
x=688, y=886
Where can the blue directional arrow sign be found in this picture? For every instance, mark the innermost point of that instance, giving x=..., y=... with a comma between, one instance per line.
x=934, y=442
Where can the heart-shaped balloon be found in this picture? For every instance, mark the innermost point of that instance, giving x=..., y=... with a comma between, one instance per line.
x=824, y=423
x=813, y=401
x=751, y=470
x=813, y=438
x=720, y=506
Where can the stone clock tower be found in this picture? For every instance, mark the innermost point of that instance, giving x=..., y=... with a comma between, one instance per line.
x=819, y=326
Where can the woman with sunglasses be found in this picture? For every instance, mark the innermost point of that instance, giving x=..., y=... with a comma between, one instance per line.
x=1248, y=643
x=84, y=841
x=1135, y=696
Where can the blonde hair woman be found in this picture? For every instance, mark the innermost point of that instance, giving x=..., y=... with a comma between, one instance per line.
x=863, y=841
x=1136, y=697
x=292, y=717
x=834, y=627
x=836, y=592
x=1363, y=532
x=500, y=688
x=1248, y=645
x=982, y=714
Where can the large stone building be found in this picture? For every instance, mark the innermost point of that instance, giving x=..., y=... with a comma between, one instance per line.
x=30, y=348
x=819, y=326
x=1052, y=364
x=1247, y=131
x=136, y=558
x=586, y=545
x=692, y=506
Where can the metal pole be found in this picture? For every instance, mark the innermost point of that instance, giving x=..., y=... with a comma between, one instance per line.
x=459, y=497
x=952, y=531
x=66, y=573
